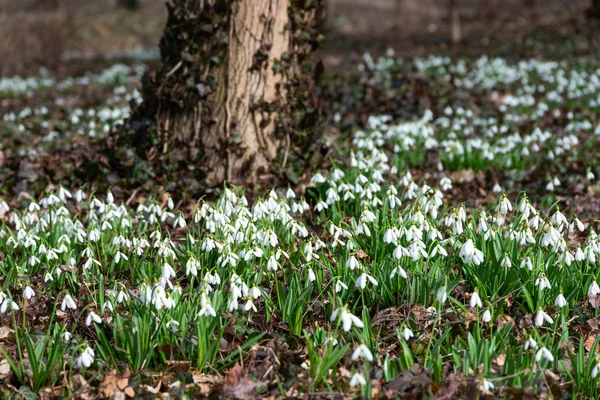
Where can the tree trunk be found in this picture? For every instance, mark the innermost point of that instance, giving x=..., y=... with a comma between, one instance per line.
x=128, y=4
x=230, y=83
x=455, y=21
x=594, y=10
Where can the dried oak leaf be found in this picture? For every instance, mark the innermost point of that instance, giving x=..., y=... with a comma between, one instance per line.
x=238, y=386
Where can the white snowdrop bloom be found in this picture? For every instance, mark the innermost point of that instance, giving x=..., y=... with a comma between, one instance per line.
x=486, y=385
x=92, y=317
x=272, y=264
x=400, y=271
x=289, y=194
x=311, y=275
x=320, y=206
x=551, y=238
x=347, y=318
x=579, y=255
x=506, y=263
x=497, y=188
x=191, y=266
x=576, y=224
x=469, y=253
x=255, y=292
x=526, y=263
x=361, y=282
x=318, y=178
x=558, y=219
x=487, y=316
x=590, y=176
x=595, y=371
x=172, y=325
x=339, y=286
x=441, y=295
x=121, y=297
x=475, y=300
x=545, y=353
x=542, y=282
x=505, y=205
x=250, y=306
x=68, y=302
x=565, y=257
x=541, y=316
x=530, y=343
x=407, y=334
x=352, y=263
x=179, y=222
x=362, y=351
x=167, y=271
x=206, y=308
x=66, y=336
x=391, y=235
x=86, y=358
x=593, y=289
x=110, y=198
x=560, y=301
x=357, y=379
x=445, y=184
x=28, y=293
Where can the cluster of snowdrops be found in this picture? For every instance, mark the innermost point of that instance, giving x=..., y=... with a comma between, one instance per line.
x=124, y=281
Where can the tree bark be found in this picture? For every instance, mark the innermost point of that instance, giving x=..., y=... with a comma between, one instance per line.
x=594, y=10
x=230, y=73
x=455, y=21
x=128, y=4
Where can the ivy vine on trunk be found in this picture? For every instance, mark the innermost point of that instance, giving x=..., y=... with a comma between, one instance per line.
x=235, y=98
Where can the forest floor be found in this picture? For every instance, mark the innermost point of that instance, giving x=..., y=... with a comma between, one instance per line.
x=445, y=247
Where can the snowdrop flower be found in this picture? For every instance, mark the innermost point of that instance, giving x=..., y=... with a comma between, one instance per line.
x=542, y=282
x=400, y=271
x=530, y=343
x=593, y=289
x=595, y=371
x=66, y=336
x=348, y=319
x=191, y=266
x=352, y=263
x=362, y=351
x=487, y=316
x=560, y=301
x=311, y=275
x=407, y=334
x=206, y=308
x=168, y=271
x=526, y=263
x=92, y=316
x=357, y=379
x=506, y=263
x=469, y=253
x=272, y=264
x=475, y=300
x=339, y=285
x=541, y=316
x=68, y=302
x=28, y=293
x=486, y=385
x=505, y=205
x=441, y=295
x=497, y=188
x=361, y=282
x=172, y=325
x=86, y=358
x=545, y=353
